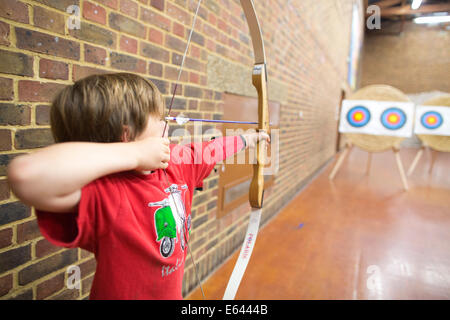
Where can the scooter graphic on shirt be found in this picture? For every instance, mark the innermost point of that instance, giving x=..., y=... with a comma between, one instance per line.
x=170, y=220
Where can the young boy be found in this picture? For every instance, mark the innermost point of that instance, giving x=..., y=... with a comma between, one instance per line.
x=100, y=188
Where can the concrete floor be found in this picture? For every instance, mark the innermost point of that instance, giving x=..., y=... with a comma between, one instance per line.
x=360, y=236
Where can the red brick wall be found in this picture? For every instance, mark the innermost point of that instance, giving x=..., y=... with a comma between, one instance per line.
x=414, y=61
x=306, y=45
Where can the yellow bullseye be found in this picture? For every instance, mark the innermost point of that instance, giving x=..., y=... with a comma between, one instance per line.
x=393, y=118
x=431, y=120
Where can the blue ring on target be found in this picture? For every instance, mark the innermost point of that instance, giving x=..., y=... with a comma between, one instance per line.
x=393, y=118
x=427, y=121
x=358, y=116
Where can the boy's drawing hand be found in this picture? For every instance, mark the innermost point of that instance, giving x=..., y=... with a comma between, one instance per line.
x=253, y=138
x=152, y=153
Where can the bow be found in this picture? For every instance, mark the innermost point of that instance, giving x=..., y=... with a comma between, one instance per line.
x=256, y=192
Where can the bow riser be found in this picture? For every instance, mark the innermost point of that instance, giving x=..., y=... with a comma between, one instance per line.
x=259, y=79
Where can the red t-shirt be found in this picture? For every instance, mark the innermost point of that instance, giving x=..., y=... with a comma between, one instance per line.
x=130, y=222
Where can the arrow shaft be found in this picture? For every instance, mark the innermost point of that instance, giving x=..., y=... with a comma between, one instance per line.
x=210, y=120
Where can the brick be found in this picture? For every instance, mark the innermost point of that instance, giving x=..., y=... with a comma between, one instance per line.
x=154, y=52
x=128, y=44
x=53, y=69
x=155, y=69
x=6, y=284
x=16, y=63
x=86, y=285
x=43, y=115
x=14, y=10
x=50, y=286
x=88, y=267
x=15, y=257
x=11, y=114
x=194, y=78
x=158, y=4
x=178, y=103
x=194, y=92
x=27, y=231
x=6, y=236
x=153, y=18
x=94, y=12
x=127, y=63
x=95, y=34
x=129, y=8
x=178, y=29
x=175, y=43
x=44, y=43
x=49, y=20
x=155, y=36
x=171, y=73
x=5, y=139
x=207, y=106
x=4, y=33
x=59, y=4
x=46, y=266
x=114, y=4
x=33, y=138
x=6, y=89
x=178, y=14
x=44, y=248
x=124, y=24
x=198, y=38
x=95, y=54
x=35, y=91
x=80, y=72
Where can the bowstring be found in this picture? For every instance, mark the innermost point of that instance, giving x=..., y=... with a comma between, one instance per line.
x=164, y=170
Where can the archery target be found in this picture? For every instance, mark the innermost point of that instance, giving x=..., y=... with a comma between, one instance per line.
x=358, y=116
x=433, y=120
x=393, y=118
x=384, y=118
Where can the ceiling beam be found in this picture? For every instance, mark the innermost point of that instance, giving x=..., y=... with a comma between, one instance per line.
x=406, y=10
x=387, y=3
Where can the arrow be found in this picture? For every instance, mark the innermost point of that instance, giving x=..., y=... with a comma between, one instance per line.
x=183, y=120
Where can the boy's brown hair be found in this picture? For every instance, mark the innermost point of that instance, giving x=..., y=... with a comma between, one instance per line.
x=97, y=108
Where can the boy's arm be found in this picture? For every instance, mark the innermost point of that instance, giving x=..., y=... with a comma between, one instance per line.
x=51, y=179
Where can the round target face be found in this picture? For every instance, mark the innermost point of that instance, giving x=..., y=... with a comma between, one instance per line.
x=393, y=118
x=358, y=116
x=431, y=120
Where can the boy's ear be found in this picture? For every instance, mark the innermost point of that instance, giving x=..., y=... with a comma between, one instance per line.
x=125, y=134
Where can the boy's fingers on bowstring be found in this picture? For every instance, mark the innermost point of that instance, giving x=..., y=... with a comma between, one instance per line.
x=166, y=141
x=164, y=165
x=165, y=157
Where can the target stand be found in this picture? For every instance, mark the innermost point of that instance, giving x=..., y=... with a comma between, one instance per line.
x=432, y=120
x=391, y=118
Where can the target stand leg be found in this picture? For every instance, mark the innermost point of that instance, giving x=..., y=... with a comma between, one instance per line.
x=400, y=168
x=416, y=160
x=433, y=160
x=340, y=161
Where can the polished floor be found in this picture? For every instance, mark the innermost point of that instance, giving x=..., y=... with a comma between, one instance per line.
x=360, y=236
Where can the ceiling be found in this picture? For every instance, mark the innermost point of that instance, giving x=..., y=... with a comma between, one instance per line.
x=395, y=9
